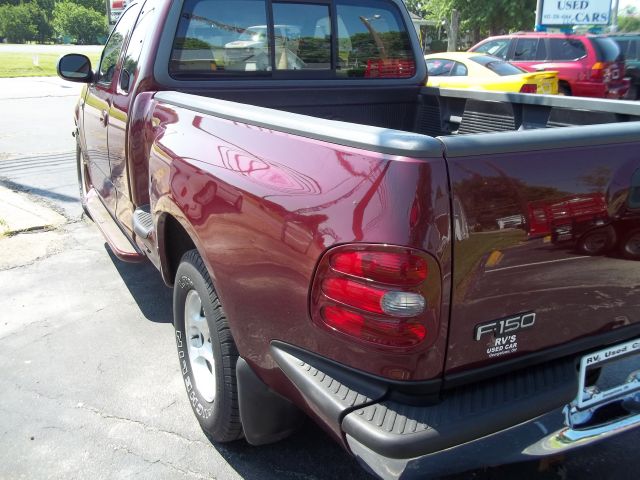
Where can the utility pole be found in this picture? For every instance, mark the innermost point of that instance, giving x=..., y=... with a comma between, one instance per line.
x=538, y=26
x=108, y=2
x=453, y=31
x=614, y=17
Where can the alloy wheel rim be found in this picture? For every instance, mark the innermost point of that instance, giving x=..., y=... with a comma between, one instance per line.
x=199, y=346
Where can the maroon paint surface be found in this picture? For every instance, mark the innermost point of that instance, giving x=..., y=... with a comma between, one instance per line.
x=263, y=216
x=573, y=295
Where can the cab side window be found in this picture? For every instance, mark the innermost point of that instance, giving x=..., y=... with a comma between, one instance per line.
x=134, y=48
x=112, y=49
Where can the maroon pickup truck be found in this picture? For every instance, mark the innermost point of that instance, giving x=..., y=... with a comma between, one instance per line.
x=347, y=244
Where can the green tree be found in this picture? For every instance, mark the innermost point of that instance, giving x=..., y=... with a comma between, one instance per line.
x=82, y=23
x=480, y=17
x=41, y=19
x=16, y=24
x=629, y=24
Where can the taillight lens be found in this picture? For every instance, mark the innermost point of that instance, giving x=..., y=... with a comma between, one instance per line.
x=383, y=267
x=356, y=294
x=529, y=88
x=380, y=331
x=599, y=72
x=379, y=294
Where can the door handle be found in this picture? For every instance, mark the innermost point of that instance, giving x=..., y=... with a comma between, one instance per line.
x=104, y=117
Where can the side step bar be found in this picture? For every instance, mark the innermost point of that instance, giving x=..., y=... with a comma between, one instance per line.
x=113, y=234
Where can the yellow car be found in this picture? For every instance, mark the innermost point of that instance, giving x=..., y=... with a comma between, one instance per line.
x=479, y=71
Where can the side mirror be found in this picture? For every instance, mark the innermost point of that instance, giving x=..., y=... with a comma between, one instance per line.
x=75, y=68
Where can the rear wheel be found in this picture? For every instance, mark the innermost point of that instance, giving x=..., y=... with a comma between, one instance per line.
x=206, y=351
x=597, y=242
x=564, y=89
x=633, y=93
x=630, y=245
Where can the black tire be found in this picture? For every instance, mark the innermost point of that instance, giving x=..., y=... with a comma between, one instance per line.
x=83, y=180
x=598, y=241
x=219, y=416
x=630, y=245
x=633, y=93
x=564, y=89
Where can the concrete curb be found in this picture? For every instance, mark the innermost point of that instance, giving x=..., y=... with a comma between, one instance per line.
x=18, y=213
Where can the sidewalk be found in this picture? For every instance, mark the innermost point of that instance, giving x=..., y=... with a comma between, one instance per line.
x=20, y=214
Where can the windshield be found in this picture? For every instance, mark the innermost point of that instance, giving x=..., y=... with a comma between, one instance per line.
x=607, y=50
x=498, y=66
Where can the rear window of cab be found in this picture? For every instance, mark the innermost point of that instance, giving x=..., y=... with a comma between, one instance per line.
x=254, y=38
x=498, y=66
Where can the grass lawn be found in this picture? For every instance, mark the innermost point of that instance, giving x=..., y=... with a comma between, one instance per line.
x=13, y=64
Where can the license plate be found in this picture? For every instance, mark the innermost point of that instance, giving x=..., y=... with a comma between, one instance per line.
x=621, y=361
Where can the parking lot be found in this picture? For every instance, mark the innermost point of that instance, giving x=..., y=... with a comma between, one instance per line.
x=90, y=385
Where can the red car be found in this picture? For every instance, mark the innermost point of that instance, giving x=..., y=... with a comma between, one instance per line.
x=587, y=65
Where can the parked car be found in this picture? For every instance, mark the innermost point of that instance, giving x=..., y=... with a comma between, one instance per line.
x=587, y=65
x=629, y=44
x=479, y=71
x=317, y=227
x=251, y=49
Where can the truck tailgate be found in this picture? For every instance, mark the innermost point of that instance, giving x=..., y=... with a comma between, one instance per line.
x=541, y=221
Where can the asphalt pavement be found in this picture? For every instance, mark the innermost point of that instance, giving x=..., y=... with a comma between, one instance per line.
x=90, y=385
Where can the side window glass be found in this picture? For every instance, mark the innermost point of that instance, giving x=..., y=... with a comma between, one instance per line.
x=541, y=53
x=439, y=67
x=112, y=49
x=525, y=49
x=624, y=47
x=373, y=41
x=634, y=51
x=134, y=48
x=459, y=70
x=302, y=34
x=566, y=49
x=497, y=48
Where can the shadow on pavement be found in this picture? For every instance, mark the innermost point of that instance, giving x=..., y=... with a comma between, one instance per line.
x=307, y=454
x=39, y=192
x=146, y=287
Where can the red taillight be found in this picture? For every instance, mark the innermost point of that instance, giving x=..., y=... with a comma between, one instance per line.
x=600, y=72
x=383, y=267
x=529, y=88
x=355, y=294
x=378, y=294
x=380, y=331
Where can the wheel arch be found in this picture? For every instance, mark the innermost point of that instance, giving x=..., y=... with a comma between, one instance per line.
x=176, y=236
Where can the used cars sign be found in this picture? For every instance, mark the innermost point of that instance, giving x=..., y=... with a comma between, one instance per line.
x=576, y=12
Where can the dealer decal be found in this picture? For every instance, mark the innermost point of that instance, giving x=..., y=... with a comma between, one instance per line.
x=502, y=333
x=503, y=346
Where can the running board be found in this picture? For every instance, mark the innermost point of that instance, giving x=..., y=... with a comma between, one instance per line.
x=119, y=243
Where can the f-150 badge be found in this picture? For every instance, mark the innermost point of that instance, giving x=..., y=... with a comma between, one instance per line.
x=503, y=338
x=505, y=326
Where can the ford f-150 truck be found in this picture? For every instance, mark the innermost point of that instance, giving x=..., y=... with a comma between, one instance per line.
x=334, y=234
